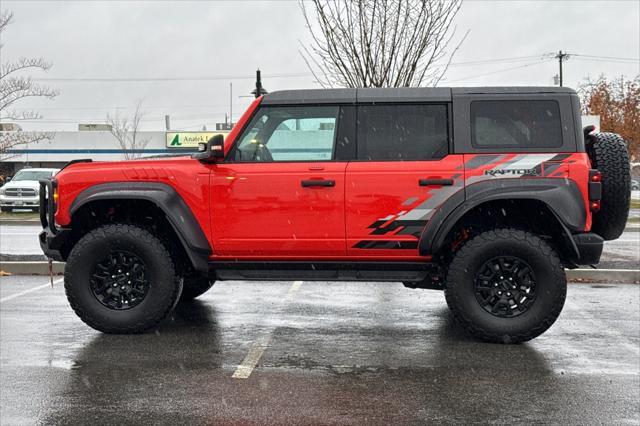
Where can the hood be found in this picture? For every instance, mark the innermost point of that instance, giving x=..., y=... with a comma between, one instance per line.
x=34, y=184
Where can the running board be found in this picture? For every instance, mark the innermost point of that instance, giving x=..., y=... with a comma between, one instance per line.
x=323, y=271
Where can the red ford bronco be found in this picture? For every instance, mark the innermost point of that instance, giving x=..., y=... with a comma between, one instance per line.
x=486, y=193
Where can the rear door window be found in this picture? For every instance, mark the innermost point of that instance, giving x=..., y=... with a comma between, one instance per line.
x=516, y=124
x=402, y=132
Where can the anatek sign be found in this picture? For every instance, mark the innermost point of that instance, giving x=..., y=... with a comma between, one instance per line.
x=189, y=139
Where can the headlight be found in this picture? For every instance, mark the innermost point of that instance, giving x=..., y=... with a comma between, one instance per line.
x=2, y=191
x=37, y=191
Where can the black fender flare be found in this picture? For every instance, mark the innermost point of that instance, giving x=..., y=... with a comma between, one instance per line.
x=561, y=196
x=179, y=215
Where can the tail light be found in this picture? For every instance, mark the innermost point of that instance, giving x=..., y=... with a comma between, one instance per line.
x=595, y=190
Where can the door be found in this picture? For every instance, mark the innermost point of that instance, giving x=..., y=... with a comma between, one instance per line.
x=403, y=173
x=280, y=193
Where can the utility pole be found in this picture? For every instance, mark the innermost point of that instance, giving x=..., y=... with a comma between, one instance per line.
x=561, y=57
x=230, y=104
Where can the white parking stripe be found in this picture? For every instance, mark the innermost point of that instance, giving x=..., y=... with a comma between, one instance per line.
x=250, y=361
x=31, y=290
x=622, y=340
x=244, y=370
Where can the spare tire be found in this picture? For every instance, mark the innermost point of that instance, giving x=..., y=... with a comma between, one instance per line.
x=608, y=154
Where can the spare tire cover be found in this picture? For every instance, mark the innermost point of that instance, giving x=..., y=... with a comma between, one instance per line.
x=608, y=154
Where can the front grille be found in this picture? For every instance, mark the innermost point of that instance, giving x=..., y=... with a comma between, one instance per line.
x=20, y=192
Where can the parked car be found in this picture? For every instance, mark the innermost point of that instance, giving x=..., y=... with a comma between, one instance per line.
x=22, y=190
x=485, y=193
x=635, y=185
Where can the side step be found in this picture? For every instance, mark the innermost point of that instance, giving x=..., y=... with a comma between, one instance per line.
x=323, y=271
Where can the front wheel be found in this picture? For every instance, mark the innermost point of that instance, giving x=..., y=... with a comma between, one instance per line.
x=506, y=286
x=121, y=279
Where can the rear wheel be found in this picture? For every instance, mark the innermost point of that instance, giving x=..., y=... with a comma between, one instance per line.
x=6, y=209
x=121, y=279
x=608, y=154
x=506, y=286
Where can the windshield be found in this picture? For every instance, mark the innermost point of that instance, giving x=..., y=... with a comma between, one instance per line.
x=32, y=175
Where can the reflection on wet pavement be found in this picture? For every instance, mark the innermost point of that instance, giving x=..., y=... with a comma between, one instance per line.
x=340, y=353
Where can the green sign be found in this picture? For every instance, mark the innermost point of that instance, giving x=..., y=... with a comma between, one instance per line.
x=189, y=139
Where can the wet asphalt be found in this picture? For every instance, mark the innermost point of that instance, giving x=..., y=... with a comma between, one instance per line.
x=324, y=353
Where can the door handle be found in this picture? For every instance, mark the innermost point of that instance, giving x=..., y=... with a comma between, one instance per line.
x=434, y=182
x=318, y=182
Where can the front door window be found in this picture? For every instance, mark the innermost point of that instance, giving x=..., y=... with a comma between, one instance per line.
x=278, y=134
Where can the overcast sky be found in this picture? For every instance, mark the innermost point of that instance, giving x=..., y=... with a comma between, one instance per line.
x=228, y=40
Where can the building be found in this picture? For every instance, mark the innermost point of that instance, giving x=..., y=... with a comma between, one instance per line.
x=98, y=144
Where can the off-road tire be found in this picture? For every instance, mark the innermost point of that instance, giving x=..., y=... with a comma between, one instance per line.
x=164, y=289
x=608, y=154
x=550, y=281
x=194, y=286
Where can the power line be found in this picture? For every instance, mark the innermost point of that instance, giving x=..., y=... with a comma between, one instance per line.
x=499, y=71
x=611, y=61
x=144, y=107
x=159, y=79
x=495, y=61
x=246, y=77
x=613, y=58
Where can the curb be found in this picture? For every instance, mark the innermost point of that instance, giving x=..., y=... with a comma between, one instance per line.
x=31, y=268
x=602, y=275
x=605, y=275
x=20, y=222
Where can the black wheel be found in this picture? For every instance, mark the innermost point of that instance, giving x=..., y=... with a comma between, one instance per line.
x=506, y=286
x=6, y=209
x=121, y=279
x=608, y=154
x=194, y=286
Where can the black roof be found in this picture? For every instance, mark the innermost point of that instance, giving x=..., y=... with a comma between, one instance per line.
x=407, y=94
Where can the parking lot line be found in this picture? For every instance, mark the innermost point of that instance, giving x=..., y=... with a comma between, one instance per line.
x=31, y=290
x=613, y=334
x=244, y=370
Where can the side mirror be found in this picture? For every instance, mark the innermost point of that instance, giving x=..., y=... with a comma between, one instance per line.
x=211, y=151
x=8, y=178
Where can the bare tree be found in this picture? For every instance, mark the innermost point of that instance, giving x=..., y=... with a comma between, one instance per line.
x=379, y=43
x=15, y=86
x=126, y=132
